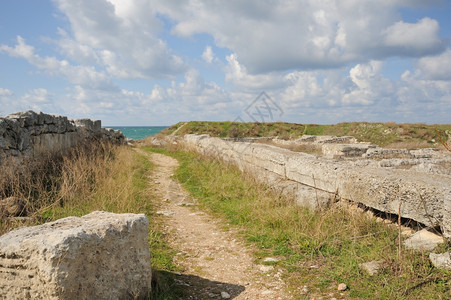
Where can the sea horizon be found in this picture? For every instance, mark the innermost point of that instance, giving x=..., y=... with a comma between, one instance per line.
x=138, y=132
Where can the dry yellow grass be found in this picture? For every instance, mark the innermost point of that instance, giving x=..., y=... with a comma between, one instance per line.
x=95, y=176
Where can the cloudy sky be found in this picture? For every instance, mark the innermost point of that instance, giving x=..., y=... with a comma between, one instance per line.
x=157, y=62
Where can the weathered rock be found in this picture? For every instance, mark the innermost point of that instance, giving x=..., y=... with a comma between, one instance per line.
x=345, y=150
x=379, y=153
x=425, y=198
x=99, y=256
x=423, y=240
x=28, y=132
x=371, y=267
x=342, y=287
x=441, y=261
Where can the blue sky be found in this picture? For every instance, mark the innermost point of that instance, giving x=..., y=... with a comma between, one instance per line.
x=158, y=62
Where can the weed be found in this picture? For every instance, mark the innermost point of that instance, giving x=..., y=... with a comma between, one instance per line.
x=406, y=135
x=318, y=249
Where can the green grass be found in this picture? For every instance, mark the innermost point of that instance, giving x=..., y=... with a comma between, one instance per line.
x=382, y=134
x=113, y=179
x=335, y=241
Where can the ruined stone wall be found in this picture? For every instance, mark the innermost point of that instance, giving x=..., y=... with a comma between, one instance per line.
x=25, y=133
x=314, y=180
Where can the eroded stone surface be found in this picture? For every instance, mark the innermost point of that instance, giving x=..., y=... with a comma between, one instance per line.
x=441, y=261
x=423, y=240
x=99, y=256
x=371, y=267
x=28, y=132
x=423, y=197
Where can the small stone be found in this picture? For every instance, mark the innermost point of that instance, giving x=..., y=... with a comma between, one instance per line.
x=371, y=267
x=270, y=259
x=441, y=261
x=342, y=287
x=423, y=240
x=225, y=295
x=314, y=267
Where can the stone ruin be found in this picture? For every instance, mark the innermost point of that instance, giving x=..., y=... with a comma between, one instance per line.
x=25, y=133
x=415, y=182
x=98, y=256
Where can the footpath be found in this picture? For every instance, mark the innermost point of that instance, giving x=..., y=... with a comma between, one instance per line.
x=215, y=261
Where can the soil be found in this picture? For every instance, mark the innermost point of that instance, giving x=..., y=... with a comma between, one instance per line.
x=216, y=262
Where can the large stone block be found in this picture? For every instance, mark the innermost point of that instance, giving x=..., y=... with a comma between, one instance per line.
x=425, y=198
x=99, y=256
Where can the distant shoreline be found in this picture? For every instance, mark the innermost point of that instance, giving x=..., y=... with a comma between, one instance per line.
x=139, y=132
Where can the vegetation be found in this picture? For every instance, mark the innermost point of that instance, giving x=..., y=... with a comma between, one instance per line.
x=317, y=249
x=383, y=134
x=88, y=178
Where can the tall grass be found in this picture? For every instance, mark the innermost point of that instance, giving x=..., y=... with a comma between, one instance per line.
x=319, y=250
x=94, y=176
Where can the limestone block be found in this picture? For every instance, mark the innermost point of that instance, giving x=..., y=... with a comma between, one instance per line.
x=423, y=240
x=3, y=125
x=40, y=118
x=336, y=140
x=425, y=198
x=97, y=125
x=344, y=150
x=23, y=139
x=99, y=256
x=3, y=143
x=441, y=261
x=270, y=158
x=379, y=153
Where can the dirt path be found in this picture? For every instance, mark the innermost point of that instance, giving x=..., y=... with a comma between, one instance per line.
x=181, y=126
x=216, y=264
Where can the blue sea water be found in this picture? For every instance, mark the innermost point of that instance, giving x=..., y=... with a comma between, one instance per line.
x=138, y=133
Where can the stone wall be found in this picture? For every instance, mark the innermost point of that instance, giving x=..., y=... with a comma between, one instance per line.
x=315, y=180
x=25, y=133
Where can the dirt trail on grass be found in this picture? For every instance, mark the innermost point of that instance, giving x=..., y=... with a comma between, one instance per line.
x=216, y=263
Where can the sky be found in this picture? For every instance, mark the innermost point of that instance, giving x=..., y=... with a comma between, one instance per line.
x=159, y=62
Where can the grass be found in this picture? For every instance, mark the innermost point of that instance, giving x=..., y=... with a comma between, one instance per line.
x=88, y=178
x=383, y=134
x=319, y=250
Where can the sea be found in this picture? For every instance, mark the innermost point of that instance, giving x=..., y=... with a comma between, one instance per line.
x=139, y=132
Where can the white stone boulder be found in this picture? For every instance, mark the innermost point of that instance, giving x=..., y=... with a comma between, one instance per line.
x=98, y=256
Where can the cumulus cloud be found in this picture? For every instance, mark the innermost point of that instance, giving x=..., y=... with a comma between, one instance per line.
x=208, y=54
x=82, y=75
x=238, y=76
x=121, y=36
x=436, y=67
x=403, y=38
x=306, y=34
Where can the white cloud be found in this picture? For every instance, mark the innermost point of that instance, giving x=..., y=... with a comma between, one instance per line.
x=208, y=54
x=306, y=34
x=436, y=67
x=404, y=38
x=81, y=75
x=237, y=75
x=122, y=35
